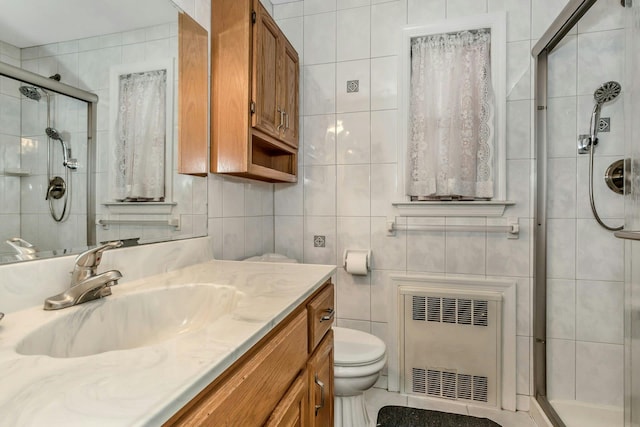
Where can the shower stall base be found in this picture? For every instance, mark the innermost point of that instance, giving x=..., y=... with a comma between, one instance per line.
x=581, y=414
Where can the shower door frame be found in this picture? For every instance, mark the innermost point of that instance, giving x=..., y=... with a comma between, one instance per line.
x=565, y=21
x=91, y=99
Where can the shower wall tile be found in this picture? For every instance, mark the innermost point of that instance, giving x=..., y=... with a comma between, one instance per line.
x=604, y=15
x=561, y=309
x=605, y=263
x=610, y=205
x=561, y=200
x=561, y=248
x=562, y=68
x=561, y=127
x=599, y=373
x=458, y=8
x=420, y=12
x=519, y=188
x=599, y=317
x=605, y=48
x=610, y=143
x=519, y=129
x=561, y=360
x=543, y=12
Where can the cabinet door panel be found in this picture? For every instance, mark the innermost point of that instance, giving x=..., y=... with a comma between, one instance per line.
x=292, y=411
x=290, y=82
x=267, y=116
x=320, y=369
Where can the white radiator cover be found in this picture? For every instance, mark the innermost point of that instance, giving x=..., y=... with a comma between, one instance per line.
x=450, y=345
x=443, y=347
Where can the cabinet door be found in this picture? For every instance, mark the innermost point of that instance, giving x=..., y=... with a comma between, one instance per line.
x=320, y=369
x=292, y=411
x=289, y=93
x=266, y=50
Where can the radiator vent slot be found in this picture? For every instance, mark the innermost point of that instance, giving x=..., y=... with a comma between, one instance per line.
x=451, y=345
x=461, y=311
x=450, y=385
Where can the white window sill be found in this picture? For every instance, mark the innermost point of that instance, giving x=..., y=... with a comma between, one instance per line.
x=140, y=208
x=452, y=208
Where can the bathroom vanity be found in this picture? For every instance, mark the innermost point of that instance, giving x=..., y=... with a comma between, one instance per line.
x=217, y=343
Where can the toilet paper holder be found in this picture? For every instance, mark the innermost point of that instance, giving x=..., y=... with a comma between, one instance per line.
x=367, y=252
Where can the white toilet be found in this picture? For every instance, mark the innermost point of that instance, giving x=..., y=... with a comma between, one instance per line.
x=358, y=360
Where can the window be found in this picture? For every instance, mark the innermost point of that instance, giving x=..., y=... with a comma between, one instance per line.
x=453, y=110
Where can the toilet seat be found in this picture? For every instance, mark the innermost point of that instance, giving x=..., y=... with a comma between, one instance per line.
x=354, y=348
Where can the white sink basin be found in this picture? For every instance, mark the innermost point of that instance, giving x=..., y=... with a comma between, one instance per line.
x=130, y=321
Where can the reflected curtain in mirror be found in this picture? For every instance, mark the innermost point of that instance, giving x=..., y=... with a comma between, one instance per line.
x=451, y=117
x=141, y=134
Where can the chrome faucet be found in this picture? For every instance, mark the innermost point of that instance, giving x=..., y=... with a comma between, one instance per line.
x=86, y=285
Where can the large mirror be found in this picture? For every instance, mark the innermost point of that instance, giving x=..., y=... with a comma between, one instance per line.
x=61, y=144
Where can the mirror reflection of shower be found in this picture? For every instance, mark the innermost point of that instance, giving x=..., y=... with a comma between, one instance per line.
x=607, y=92
x=57, y=187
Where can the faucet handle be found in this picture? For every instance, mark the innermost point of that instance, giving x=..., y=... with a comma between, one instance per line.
x=92, y=257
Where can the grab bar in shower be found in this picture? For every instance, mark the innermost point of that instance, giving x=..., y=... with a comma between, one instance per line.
x=173, y=222
x=512, y=228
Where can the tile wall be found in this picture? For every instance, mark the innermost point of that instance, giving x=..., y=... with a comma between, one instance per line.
x=586, y=263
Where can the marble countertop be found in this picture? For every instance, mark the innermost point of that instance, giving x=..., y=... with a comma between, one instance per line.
x=145, y=386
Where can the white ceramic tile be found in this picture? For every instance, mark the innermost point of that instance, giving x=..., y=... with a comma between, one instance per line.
x=347, y=4
x=561, y=372
x=426, y=249
x=519, y=129
x=523, y=352
x=320, y=190
x=519, y=188
x=543, y=12
x=518, y=70
x=320, y=38
x=288, y=198
x=360, y=325
x=288, y=10
x=319, y=89
x=318, y=6
x=268, y=234
x=602, y=16
x=233, y=197
x=384, y=185
x=253, y=192
x=605, y=263
x=387, y=20
x=606, y=49
x=354, y=296
x=353, y=190
x=599, y=373
x=95, y=64
x=561, y=248
x=465, y=251
x=561, y=309
x=524, y=288
x=562, y=68
x=353, y=101
x=319, y=226
x=609, y=143
x=421, y=12
x=518, y=17
x=598, y=314
x=320, y=139
x=388, y=252
x=354, y=34
x=289, y=236
x=233, y=234
x=561, y=127
x=384, y=83
x=384, y=136
x=353, y=233
x=380, y=294
x=561, y=181
x=252, y=236
x=509, y=257
x=458, y=8
x=353, y=138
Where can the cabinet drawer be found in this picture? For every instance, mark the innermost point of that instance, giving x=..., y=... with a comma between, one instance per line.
x=321, y=310
x=248, y=395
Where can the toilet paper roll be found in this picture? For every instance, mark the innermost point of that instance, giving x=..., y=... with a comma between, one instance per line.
x=356, y=263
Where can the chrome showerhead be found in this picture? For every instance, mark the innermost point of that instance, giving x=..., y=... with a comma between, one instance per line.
x=607, y=92
x=54, y=134
x=30, y=92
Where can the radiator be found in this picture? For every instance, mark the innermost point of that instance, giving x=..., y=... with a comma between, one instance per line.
x=451, y=345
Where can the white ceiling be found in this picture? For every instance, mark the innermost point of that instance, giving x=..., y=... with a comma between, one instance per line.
x=25, y=23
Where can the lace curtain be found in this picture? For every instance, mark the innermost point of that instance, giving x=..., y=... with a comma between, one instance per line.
x=140, y=139
x=451, y=114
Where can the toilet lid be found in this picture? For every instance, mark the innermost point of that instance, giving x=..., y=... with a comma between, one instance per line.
x=352, y=347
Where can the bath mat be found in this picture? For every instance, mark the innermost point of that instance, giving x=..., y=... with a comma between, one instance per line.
x=401, y=416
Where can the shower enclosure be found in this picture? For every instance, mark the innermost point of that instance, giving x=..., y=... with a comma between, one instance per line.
x=582, y=347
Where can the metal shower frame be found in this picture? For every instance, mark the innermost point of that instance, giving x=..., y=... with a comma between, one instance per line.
x=91, y=99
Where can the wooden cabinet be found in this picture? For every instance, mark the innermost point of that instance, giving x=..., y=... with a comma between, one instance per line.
x=255, y=91
x=284, y=380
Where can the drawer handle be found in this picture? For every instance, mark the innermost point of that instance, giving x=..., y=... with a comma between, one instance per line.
x=321, y=385
x=330, y=313
x=281, y=125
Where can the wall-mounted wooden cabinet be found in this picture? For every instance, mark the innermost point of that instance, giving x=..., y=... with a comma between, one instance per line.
x=255, y=85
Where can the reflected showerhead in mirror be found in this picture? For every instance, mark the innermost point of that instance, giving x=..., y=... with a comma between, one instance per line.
x=30, y=92
x=607, y=92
